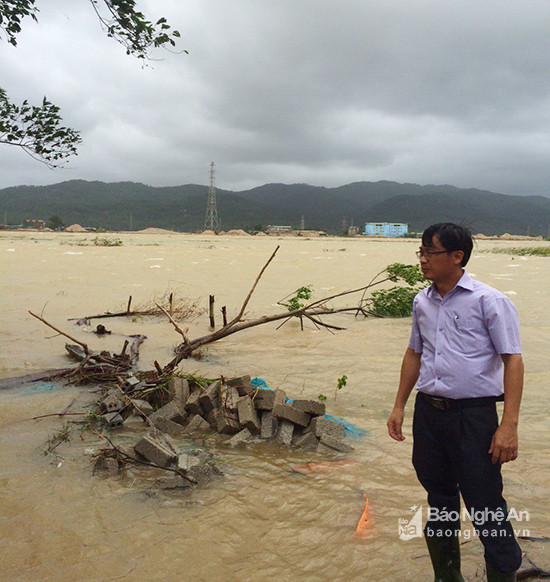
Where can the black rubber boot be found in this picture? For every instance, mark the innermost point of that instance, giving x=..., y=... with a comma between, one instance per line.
x=445, y=556
x=496, y=576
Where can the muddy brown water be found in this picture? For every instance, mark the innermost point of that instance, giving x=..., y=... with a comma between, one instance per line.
x=261, y=521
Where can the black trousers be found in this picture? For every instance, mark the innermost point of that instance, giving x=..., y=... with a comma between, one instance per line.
x=450, y=456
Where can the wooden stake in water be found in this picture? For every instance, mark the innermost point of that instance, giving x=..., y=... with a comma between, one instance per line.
x=211, y=311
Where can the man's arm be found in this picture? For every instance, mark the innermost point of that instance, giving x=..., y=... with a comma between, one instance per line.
x=504, y=446
x=410, y=368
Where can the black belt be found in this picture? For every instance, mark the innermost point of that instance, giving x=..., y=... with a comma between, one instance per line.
x=449, y=403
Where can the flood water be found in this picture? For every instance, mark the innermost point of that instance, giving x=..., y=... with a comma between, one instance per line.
x=260, y=521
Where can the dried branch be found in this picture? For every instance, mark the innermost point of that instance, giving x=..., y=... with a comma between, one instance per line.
x=84, y=346
x=311, y=311
x=176, y=326
x=241, y=312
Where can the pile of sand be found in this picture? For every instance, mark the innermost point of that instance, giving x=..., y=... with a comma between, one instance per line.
x=75, y=228
x=237, y=232
x=208, y=232
x=261, y=233
x=507, y=236
x=153, y=230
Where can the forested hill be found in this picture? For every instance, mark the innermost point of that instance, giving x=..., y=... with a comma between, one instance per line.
x=125, y=205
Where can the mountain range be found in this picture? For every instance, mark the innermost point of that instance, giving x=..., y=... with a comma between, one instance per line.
x=134, y=206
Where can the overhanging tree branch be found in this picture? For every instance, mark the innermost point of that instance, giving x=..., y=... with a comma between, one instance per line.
x=37, y=130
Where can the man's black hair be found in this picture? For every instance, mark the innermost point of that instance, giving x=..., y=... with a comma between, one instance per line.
x=452, y=237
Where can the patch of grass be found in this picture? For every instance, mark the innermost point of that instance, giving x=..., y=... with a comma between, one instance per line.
x=523, y=251
x=107, y=242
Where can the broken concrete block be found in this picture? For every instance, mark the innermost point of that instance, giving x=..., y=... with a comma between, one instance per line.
x=230, y=398
x=266, y=399
x=285, y=432
x=288, y=412
x=320, y=425
x=112, y=419
x=187, y=461
x=211, y=419
x=306, y=441
x=238, y=381
x=198, y=425
x=179, y=389
x=171, y=411
x=112, y=403
x=227, y=423
x=142, y=407
x=201, y=473
x=263, y=399
x=280, y=397
x=131, y=383
x=248, y=417
x=169, y=443
x=269, y=425
x=312, y=407
x=240, y=438
x=193, y=405
x=336, y=444
x=210, y=398
x=169, y=427
x=242, y=384
x=155, y=451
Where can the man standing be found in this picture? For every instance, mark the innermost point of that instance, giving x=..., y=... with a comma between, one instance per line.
x=464, y=355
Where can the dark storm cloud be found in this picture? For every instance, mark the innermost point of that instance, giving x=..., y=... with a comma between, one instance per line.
x=305, y=91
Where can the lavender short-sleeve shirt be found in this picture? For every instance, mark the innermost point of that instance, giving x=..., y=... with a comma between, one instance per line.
x=461, y=337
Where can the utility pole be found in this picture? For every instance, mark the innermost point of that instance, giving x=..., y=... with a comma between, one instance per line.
x=302, y=223
x=211, y=221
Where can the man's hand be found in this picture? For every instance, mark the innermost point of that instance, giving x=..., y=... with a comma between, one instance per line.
x=410, y=368
x=504, y=446
x=395, y=422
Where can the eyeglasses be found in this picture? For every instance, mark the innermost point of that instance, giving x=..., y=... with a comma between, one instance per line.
x=429, y=254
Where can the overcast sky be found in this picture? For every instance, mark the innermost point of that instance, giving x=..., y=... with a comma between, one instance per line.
x=326, y=92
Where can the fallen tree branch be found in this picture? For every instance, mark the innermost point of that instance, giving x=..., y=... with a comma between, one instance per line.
x=245, y=303
x=82, y=344
x=176, y=326
x=107, y=315
x=311, y=311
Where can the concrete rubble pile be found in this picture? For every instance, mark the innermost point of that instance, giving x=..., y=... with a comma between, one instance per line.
x=232, y=407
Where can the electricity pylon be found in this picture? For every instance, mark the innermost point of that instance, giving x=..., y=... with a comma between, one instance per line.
x=211, y=221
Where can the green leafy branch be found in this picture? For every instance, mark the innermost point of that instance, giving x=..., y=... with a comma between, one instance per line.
x=129, y=27
x=37, y=130
x=398, y=300
x=341, y=383
x=119, y=18
x=11, y=14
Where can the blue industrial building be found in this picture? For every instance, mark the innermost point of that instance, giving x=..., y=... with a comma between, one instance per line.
x=390, y=229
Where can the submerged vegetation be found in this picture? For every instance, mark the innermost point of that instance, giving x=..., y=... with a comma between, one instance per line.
x=523, y=251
